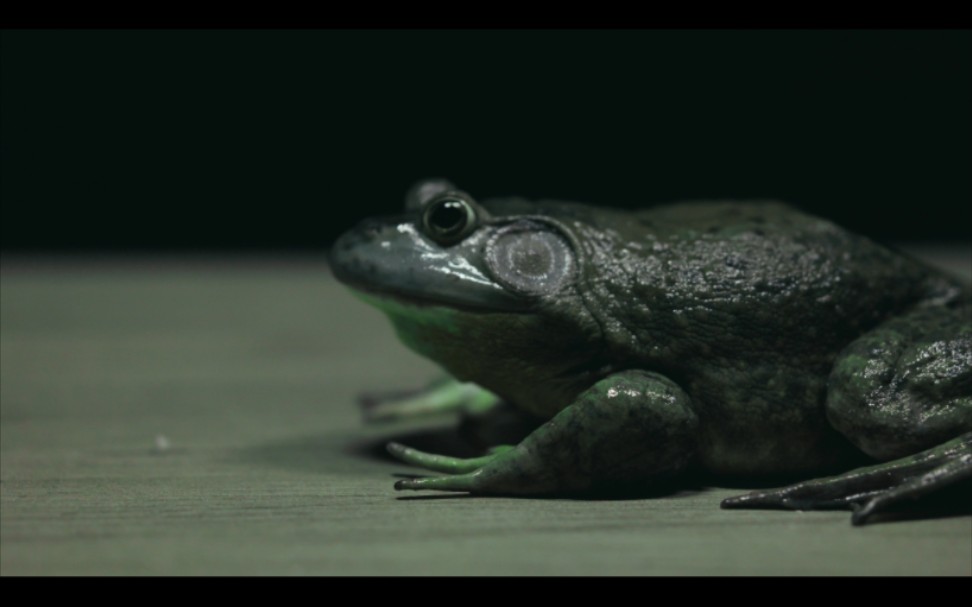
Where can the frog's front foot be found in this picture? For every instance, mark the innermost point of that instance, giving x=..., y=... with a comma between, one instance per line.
x=626, y=431
x=874, y=489
x=441, y=396
x=463, y=472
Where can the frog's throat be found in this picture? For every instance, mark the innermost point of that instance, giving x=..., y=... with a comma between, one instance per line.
x=414, y=321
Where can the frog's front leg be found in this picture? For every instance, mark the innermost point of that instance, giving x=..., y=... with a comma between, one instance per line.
x=903, y=393
x=626, y=431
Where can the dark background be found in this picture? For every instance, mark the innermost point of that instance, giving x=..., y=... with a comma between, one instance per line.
x=250, y=140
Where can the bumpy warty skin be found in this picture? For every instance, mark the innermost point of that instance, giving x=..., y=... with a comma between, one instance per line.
x=746, y=306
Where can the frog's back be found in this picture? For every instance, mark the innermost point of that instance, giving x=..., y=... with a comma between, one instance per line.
x=747, y=305
x=757, y=279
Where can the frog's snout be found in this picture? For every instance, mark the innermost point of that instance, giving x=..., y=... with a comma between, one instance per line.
x=391, y=256
x=348, y=256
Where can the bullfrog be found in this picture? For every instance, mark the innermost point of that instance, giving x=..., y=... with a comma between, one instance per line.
x=746, y=339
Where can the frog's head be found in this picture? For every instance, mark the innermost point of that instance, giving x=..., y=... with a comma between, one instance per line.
x=491, y=291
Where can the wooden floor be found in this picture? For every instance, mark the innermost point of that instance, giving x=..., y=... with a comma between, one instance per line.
x=190, y=416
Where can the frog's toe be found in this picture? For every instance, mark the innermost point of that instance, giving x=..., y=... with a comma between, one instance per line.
x=951, y=473
x=441, y=463
x=756, y=499
x=811, y=495
x=452, y=482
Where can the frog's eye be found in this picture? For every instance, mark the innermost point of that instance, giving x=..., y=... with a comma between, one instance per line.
x=530, y=259
x=449, y=219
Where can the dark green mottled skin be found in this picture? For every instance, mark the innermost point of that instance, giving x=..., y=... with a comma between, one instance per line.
x=914, y=375
x=745, y=306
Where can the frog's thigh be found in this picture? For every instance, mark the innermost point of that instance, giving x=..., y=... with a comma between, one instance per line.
x=906, y=385
x=630, y=428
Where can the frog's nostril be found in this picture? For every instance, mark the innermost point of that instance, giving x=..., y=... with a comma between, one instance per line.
x=370, y=230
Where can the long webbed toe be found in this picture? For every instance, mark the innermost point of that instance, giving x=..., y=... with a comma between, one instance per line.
x=453, y=482
x=874, y=489
x=441, y=463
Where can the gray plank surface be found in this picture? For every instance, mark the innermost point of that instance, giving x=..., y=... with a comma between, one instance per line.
x=193, y=416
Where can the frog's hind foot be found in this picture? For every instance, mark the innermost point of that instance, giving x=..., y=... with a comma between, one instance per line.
x=874, y=489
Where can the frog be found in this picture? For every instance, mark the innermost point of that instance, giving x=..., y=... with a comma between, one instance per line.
x=746, y=339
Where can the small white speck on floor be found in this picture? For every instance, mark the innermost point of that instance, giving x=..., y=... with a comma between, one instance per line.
x=162, y=443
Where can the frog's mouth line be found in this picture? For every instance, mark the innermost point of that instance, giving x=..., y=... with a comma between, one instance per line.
x=377, y=297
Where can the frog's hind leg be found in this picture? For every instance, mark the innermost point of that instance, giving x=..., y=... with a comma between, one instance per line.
x=624, y=432
x=442, y=395
x=875, y=488
x=903, y=388
x=907, y=385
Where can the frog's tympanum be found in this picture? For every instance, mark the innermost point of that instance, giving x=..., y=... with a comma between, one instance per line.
x=743, y=339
